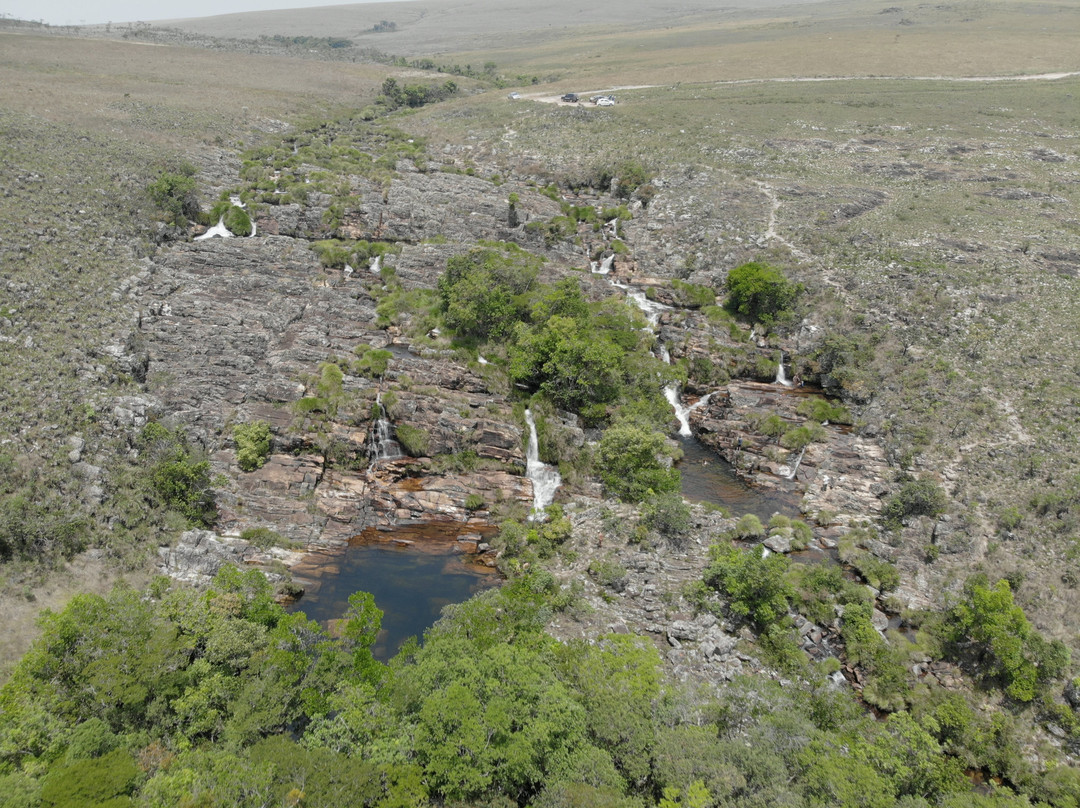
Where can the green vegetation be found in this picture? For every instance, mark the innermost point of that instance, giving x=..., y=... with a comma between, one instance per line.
x=173, y=192
x=988, y=624
x=179, y=478
x=761, y=293
x=922, y=497
x=252, y=444
x=336, y=253
x=148, y=699
x=483, y=291
x=414, y=440
x=630, y=460
x=756, y=586
x=691, y=295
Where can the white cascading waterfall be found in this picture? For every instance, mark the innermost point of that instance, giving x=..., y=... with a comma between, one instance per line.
x=781, y=377
x=545, y=479
x=671, y=393
x=375, y=265
x=604, y=267
x=383, y=445
x=219, y=230
x=650, y=308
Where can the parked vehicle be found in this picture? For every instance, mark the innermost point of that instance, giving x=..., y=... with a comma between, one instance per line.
x=514, y=96
x=571, y=98
x=605, y=101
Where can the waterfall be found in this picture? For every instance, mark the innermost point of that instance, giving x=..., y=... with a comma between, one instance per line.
x=376, y=265
x=604, y=267
x=218, y=229
x=781, y=378
x=383, y=445
x=671, y=393
x=701, y=402
x=795, y=469
x=650, y=308
x=545, y=479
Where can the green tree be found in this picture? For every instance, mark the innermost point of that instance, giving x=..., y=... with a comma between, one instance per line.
x=95, y=783
x=483, y=291
x=756, y=585
x=760, y=292
x=179, y=478
x=567, y=361
x=630, y=464
x=988, y=621
x=617, y=681
x=922, y=497
x=174, y=194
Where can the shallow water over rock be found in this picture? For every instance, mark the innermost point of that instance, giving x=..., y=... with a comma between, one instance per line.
x=708, y=477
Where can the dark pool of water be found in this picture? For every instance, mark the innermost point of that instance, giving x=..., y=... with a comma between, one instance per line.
x=708, y=477
x=410, y=584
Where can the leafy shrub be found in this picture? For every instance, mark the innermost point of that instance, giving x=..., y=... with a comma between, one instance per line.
x=749, y=527
x=102, y=781
x=174, y=194
x=692, y=295
x=237, y=220
x=481, y=291
x=371, y=362
x=178, y=478
x=800, y=437
x=887, y=688
x=474, y=502
x=668, y=514
x=877, y=572
x=1008, y=646
x=264, y=537
x=821, y=410
x=252, y=444
x=609, y=573
x=760, y=292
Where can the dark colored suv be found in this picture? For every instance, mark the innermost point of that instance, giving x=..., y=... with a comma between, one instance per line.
x=571, y=98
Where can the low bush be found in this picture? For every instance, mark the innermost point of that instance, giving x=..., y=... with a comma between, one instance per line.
x=414, y=440
x=755, y=585
x=922, y=497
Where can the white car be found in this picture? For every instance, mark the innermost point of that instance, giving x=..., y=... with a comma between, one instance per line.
x=605, y=102
x=514, y=96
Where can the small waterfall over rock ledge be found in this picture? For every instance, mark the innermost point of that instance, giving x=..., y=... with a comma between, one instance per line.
x=545, y=479
x=781, y=377
x=383, y=445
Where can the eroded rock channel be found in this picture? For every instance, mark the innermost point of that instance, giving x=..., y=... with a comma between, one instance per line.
x=240, y=330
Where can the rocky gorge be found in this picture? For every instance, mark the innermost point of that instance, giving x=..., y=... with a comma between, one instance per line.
x=233, y=331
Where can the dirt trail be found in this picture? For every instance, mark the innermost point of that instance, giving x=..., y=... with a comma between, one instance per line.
x=557, y=99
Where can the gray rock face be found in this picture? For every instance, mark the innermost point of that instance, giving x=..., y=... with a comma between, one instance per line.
x=199, y=555
x=235, y=330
